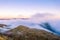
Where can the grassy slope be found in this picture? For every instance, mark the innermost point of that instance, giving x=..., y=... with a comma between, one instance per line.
x=25, y=33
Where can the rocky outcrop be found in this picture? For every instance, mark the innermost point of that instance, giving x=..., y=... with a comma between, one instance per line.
x=3, y=25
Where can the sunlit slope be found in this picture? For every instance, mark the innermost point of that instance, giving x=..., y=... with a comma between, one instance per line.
x=25, y=33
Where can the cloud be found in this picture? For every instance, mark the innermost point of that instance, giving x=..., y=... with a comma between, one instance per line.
x=43, y=17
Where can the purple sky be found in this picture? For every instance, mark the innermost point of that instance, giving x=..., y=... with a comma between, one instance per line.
x=13, y=8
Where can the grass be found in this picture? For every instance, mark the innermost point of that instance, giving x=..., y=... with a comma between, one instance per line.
x=25, y=33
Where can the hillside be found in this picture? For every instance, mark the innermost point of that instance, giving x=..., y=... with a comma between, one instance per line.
x=25, y=33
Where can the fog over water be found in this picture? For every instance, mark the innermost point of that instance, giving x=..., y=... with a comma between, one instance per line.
x=33, y=22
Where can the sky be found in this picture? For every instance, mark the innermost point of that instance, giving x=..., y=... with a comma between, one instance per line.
x=27, y=8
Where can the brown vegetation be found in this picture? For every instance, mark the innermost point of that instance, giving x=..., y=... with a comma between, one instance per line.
x=25, y=33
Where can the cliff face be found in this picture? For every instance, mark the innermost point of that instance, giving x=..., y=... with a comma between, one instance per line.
x=25, y=33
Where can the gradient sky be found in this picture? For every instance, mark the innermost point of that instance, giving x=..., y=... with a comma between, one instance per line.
x=15, y=8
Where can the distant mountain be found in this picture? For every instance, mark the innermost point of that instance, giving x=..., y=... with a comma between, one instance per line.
x=42, y=15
